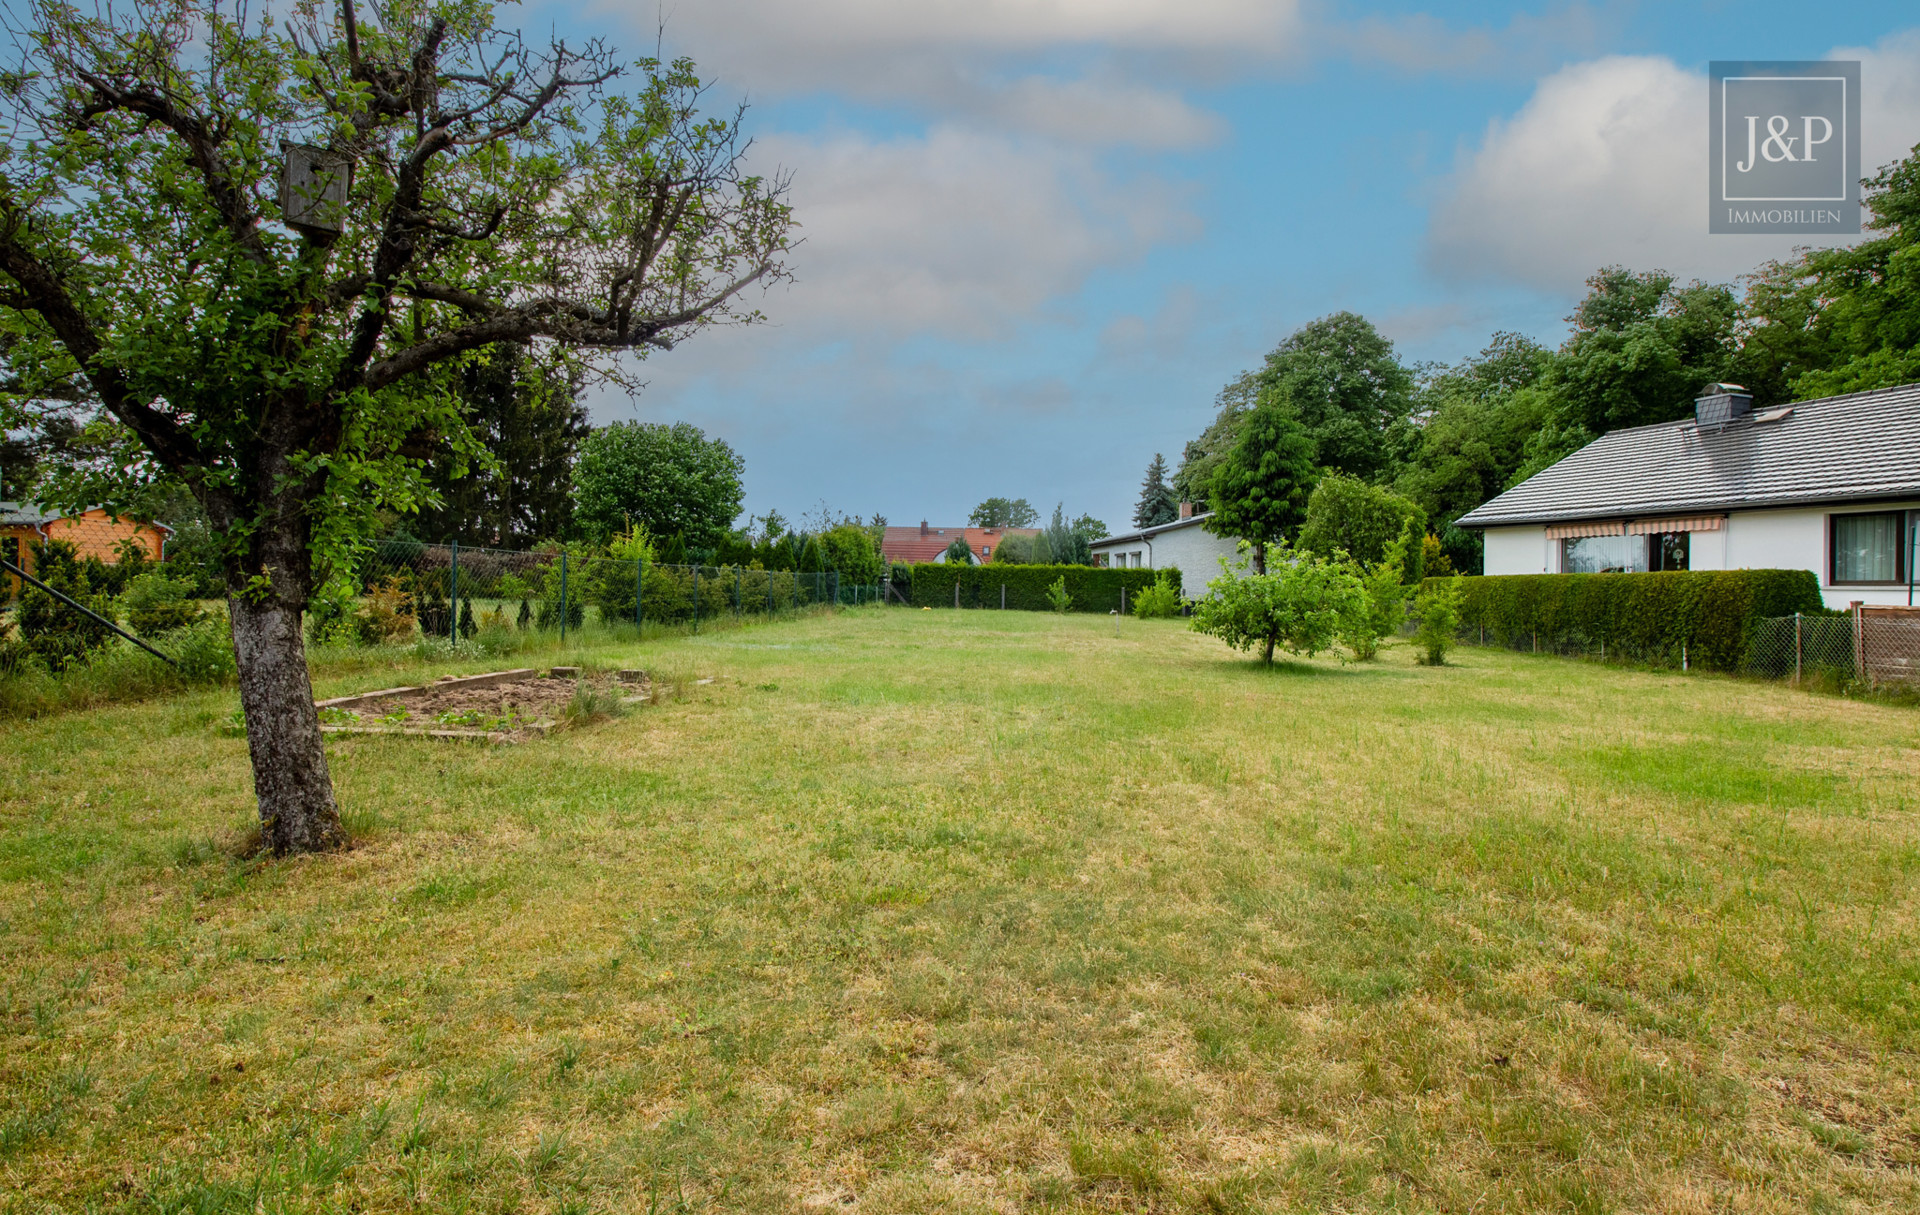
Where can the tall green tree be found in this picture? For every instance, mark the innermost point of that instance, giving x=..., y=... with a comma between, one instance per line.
x=1642, y=348
x=1004, y=512
x=1260, y=489
x=529, y=421
x=1157, y=504
x=1191, y=481
x=1845, y=320
x=1475, y=420
x=1341, y=379
x=454, y=186
x=669, y=479
x=1365, y=522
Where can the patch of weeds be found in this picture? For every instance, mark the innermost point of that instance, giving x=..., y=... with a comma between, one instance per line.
x=591, y=703
x=1133, y=1164
x=566, y=1060
x=234, y=725
x=1835, y=1137
x=545, y=1155
x=334, y=715
x=398, y=717
x=495, y=1087
x=480, y=719
x=190, y=852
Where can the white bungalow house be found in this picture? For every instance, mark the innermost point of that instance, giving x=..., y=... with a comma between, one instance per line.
x=1831, y=486
x=1184, y=545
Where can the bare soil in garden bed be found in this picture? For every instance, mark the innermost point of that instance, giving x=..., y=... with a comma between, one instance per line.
x=508, y=711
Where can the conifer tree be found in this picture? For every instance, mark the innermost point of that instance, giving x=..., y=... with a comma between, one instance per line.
x=1157, y=503
x=1260, y=489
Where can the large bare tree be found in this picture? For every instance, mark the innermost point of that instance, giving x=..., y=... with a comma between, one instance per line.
x=259, y=244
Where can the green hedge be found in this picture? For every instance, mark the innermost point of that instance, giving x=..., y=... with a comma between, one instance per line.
x=1712, y=613
x=1093, y=589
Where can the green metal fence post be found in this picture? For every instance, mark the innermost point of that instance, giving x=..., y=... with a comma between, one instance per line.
x=736, y=592
x=696, y=599
x=453, y=600
x=563, y=597
x=639, y=587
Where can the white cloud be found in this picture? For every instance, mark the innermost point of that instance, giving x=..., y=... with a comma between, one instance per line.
x=958, y=233
x=1424, y=43
x=1606, y=164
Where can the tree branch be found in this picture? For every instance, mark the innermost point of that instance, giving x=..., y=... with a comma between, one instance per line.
x=48, y=298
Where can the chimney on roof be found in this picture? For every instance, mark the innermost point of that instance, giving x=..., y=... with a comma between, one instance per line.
x=1186, y=510
x=923, y=527
x=1720, y=404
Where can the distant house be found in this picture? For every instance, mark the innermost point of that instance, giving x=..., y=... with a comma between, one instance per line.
x=1831, y=486
x=1185, y=544
x=914, y=545
x=93, y=533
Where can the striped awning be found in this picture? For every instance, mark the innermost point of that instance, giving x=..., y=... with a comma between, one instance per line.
x=1689, y=523
x=1578, y=531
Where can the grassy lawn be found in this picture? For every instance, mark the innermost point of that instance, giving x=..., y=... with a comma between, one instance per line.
x=938, y=911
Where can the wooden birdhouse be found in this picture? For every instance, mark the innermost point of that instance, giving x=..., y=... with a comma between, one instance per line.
x=313, y=189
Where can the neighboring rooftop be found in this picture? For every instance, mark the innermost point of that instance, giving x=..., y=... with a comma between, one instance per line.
x=1148, y=533
x=1838, y=449
x=24, y=514
x=913, y=545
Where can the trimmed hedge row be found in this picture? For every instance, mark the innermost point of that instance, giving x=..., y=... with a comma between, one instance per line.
x=1093, y=589
x=1712, y=613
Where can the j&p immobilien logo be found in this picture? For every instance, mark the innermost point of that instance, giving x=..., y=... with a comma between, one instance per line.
x=1785, y=146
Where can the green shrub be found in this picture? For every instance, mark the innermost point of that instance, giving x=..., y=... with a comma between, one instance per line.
x=1386, y=598
x=57, y=633
x=1057, y=597
x=1648, y=617
x=202, y=651
x=1437, y=610
x=1090, y=588
x=1159, y=601
x=158, y=602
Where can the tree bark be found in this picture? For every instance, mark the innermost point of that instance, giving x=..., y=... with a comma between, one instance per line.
x=1259, y=559
x=1269, y=651
x=290, y=779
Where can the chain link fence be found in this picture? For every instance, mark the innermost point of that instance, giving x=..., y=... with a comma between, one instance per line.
x=404, y=588
x=1875, y=646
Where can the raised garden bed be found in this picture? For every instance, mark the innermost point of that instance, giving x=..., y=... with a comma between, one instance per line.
x=500, y=706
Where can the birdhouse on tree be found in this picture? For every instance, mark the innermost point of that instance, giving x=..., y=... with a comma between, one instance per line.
x=313, y=189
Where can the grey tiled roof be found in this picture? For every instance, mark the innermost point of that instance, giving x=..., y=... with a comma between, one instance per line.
x=28, y=514
x=1838, y=449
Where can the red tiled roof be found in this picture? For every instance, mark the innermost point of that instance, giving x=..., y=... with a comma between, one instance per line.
x=908, y=545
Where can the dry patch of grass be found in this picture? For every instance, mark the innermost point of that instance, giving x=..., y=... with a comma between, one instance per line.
x=945, y=911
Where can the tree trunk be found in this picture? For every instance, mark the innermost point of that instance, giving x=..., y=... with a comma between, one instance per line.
x=1260, y=567
x=1269, y=651
x=297, y=810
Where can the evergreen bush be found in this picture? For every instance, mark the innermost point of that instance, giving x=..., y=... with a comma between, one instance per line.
x=1091, y=588
x=1711, y=614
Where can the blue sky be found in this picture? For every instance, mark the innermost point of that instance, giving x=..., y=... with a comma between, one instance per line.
x=1041, y=234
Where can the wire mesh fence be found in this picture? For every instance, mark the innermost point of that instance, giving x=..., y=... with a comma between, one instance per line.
x=1802, y=648
x=1876, y=646
x=404, y=588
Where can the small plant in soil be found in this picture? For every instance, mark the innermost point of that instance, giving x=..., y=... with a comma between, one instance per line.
x=336, y=716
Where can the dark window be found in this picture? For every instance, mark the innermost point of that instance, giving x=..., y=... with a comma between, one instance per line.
x=1869, y=548
x=1669, y=550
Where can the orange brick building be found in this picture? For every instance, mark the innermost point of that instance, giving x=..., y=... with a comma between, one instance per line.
x=93, y=533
